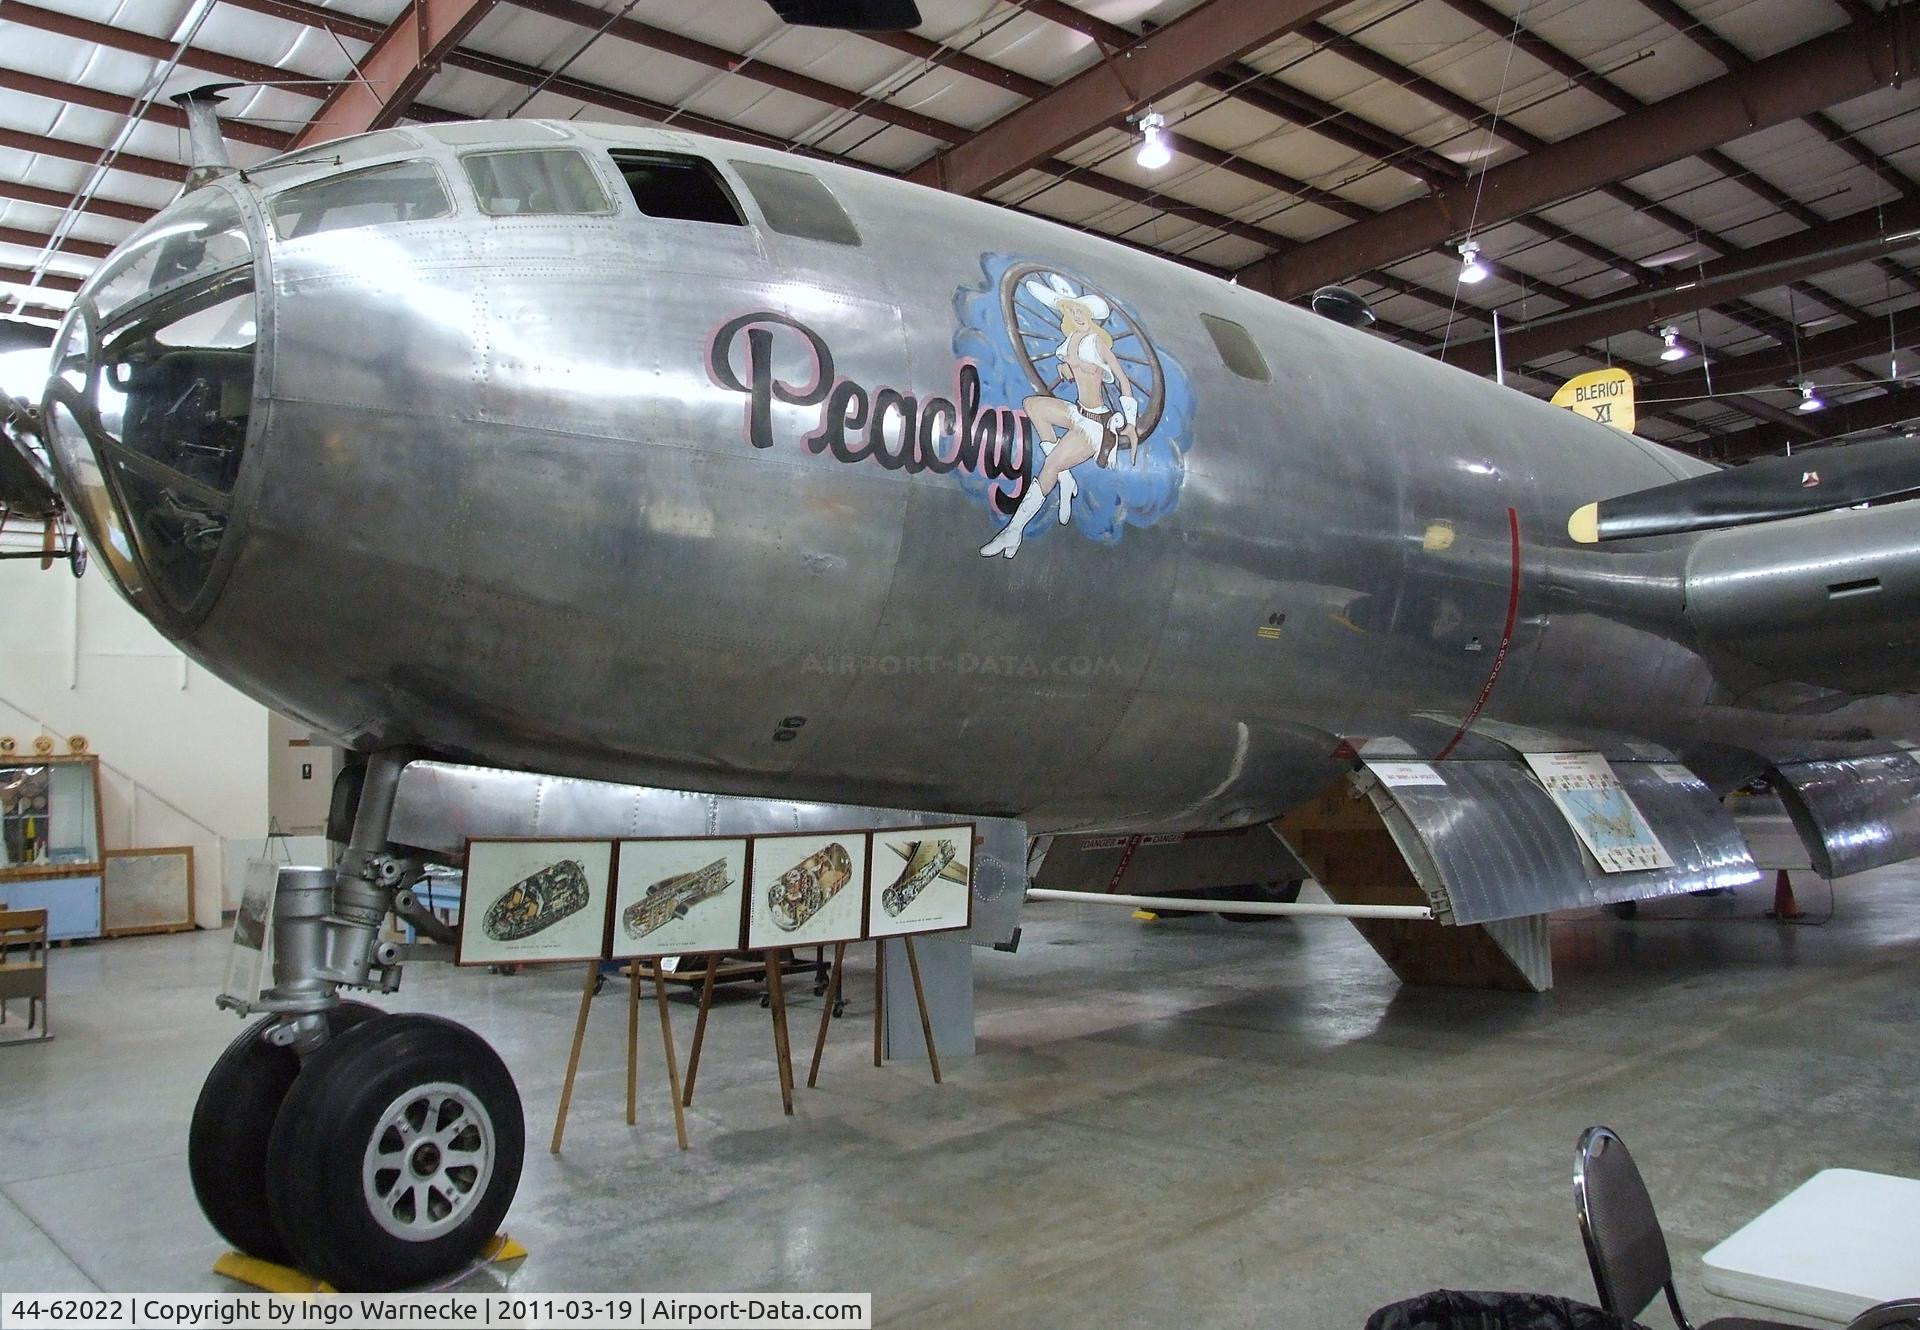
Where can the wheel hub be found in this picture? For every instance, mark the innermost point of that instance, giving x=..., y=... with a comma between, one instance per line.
x=429, y=1159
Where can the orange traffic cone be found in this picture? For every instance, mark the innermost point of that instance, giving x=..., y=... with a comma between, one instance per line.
x=1784, y=905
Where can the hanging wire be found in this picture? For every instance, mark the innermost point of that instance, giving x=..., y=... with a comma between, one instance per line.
x=104, y=163
x=567, y=64
x=1480, y=181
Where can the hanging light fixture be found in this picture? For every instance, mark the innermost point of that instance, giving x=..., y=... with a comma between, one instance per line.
x=1471, y=269
x=1154, y=152
x=1674, y=349
x=1809, y=399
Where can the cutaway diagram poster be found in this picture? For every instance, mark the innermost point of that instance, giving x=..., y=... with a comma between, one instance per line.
x=678, y=897
x=807, y=889
x=534, y=900
x=922, y=880
x=1589, y=795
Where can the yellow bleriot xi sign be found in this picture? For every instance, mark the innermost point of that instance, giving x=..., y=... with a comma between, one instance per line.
x=1605, y=395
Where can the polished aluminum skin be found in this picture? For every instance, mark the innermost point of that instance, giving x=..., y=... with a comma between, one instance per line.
x=1490, y=843
x=439, y=806
x=1855, y=813
x=502, y=499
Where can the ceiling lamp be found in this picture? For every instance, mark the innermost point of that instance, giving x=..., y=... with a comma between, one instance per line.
x=1809, y=400
x=1675, y=349
x=1471, y=269
x=1154, y=152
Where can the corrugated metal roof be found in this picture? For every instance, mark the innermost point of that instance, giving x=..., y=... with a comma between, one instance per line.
x=1367, y=110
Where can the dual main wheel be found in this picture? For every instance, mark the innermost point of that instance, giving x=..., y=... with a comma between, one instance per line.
x=384, y=1160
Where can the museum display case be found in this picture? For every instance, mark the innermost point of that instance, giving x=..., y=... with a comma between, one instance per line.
x=51, y=840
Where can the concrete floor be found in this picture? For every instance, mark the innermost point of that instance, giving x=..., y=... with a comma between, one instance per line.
x=1190, y=1122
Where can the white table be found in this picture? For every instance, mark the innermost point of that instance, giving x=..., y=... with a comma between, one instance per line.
x=1834, y=1246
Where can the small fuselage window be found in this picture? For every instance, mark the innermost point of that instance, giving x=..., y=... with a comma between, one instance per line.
x=679, y=188
x=797, y=204
x=1236, y=347
x=376, y=196
x=534, y=181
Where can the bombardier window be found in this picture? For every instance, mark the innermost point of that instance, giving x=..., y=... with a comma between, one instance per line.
x=524, y=181
x=797, y=204
x=396, y=192
x=678, y=188
x=201, y=236
x=1236, y=347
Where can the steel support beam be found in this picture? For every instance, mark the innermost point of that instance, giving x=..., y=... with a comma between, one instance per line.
x=1760, y=369
x=53, y=198
x=13, y=235
x=1856, y=238
x=1189, y=48
x=1882, y=411
x=394, y=70
x=1836, y=67
x=45, y=313
x=89, y=154
x=139, y=43
x=50, y=281
x=159, y=113
x=718, y=57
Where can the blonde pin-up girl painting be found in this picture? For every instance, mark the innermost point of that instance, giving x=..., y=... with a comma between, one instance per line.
x=1080, y=428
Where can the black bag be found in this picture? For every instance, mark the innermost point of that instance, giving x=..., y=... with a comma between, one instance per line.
x=1446, y=1309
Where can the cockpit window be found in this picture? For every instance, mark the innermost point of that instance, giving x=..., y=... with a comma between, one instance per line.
x=521, y=181
x=680, y=188
x=202, y=234
x=396, y=192
x=798, y=204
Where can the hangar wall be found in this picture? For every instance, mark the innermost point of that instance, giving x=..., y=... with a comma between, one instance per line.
x=183, y=757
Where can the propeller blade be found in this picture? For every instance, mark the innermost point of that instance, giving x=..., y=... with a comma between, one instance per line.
x=1763, y=491
x=850, y=15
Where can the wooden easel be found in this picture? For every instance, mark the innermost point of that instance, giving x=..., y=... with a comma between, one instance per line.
x=633, y=1049
x=879, y=1006
x=775, y=960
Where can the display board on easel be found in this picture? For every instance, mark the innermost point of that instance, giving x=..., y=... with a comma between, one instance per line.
x=929, y=877
x=533, y=901
x=643, y=900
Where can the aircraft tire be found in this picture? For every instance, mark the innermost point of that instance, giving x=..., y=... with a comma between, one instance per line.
x=1285, y=893
x=232, y=1121
x=420, y=1093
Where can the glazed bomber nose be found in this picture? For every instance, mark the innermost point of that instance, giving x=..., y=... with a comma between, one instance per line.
x=152, y=399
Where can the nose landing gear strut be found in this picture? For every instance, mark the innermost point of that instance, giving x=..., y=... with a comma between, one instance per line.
x=374, y=1150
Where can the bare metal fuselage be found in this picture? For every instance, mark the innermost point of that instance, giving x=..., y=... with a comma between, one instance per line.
x=506, y=496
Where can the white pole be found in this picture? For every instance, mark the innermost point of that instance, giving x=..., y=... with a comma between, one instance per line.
x=1499, y=361
x=1310, y=908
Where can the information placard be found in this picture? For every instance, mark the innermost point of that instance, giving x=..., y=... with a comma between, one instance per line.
x=1589, y=795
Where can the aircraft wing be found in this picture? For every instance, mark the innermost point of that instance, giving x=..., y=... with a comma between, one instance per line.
x=26, y=482
x=1808, y=571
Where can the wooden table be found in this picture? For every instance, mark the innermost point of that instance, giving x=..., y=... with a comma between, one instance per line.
x=1831, y=1248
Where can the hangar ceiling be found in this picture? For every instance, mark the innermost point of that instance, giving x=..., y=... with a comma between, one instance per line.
x=1741, y=170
